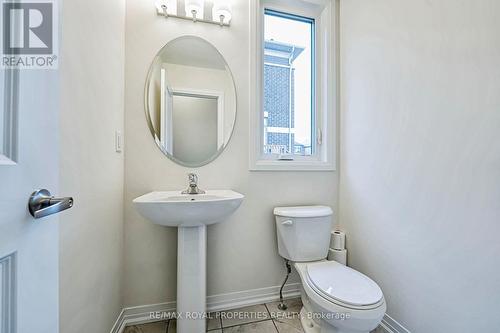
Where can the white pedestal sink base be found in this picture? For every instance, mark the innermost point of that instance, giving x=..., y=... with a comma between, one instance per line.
x=191, y=279
x=190, y=214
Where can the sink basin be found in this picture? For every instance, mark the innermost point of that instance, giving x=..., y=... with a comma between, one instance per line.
x=190, y=213
x=174, y=209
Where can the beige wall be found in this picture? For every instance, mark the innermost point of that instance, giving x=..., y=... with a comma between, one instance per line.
x=420, y=157
x=242, y=251
x=92, y=104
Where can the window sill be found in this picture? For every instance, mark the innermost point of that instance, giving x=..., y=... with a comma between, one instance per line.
x=274, y=165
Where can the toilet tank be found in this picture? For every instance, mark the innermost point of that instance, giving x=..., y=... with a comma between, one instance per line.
x=303, y=232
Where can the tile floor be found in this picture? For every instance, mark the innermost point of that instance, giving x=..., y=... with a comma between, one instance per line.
x=263, y=318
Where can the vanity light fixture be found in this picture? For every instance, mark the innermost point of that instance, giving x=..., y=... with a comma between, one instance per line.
x=195, y=11
x=166, y=7
x=221, y=12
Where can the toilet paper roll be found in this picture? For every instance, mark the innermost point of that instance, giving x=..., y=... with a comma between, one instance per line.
x=339, y=256
x=337, y=241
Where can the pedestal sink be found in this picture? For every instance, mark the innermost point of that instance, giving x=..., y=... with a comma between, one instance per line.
x=190, y=214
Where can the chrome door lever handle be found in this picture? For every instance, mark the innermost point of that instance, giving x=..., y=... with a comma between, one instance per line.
x=42, y=203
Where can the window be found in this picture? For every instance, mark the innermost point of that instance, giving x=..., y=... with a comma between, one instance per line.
x=293, y=117
x=289, y=100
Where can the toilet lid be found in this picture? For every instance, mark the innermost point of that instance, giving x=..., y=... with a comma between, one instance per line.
x=341, y=283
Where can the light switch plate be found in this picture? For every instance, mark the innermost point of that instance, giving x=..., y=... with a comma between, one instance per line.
x=118, y=142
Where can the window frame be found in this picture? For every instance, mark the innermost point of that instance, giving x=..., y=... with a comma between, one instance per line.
x=325, y=88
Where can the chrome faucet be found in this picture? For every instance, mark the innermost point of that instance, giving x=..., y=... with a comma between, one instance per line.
x=193, y=185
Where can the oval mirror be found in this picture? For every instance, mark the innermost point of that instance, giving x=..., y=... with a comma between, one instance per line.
x=190, y=101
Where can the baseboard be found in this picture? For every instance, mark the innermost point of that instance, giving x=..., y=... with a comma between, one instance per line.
x=142, y=314
x=251, y=297
x=390, y=325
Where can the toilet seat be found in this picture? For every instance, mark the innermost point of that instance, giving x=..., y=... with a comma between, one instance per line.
x=342, y=285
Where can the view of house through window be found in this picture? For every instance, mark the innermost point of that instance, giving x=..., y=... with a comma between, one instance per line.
x=288, y=84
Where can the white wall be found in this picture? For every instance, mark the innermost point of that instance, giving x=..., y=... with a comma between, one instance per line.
x=420, y=157
x=242, y=251
x=92, y=108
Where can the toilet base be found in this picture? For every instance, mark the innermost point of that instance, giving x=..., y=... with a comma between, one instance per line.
x=311, y=326
x=308, y=325
x=320, y=316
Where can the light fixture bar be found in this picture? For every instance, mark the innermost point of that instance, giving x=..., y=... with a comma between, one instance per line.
x=223, y=24
x=221, y=14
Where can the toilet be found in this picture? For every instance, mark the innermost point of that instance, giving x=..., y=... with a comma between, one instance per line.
x=336, y=298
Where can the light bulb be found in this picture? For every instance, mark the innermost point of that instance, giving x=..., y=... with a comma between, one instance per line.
x=194, y=9
x=221, y=12
x=170, y=6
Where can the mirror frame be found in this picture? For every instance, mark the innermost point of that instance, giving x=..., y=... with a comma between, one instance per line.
x=148, y=114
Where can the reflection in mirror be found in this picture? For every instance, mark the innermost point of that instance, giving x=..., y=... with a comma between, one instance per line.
x=190, y=101
x=195, y=137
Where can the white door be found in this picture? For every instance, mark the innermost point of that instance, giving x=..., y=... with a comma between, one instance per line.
x=29, y=247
